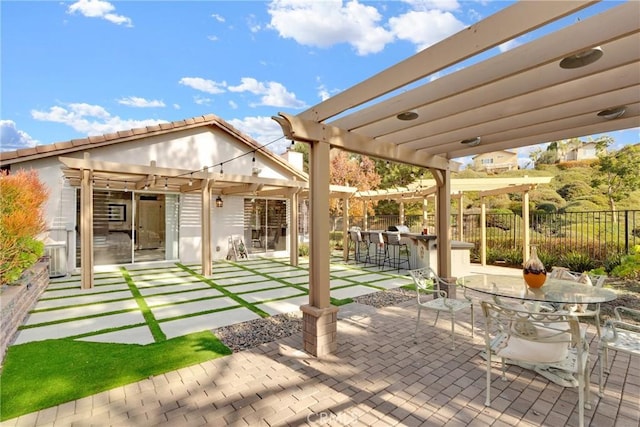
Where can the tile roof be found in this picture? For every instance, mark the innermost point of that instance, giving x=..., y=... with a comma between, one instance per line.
x=82, y=144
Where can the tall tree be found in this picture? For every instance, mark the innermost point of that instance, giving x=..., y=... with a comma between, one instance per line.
x=355, y=171
x=617, y=172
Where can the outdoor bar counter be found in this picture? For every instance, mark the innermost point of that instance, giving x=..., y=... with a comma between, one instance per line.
x=422, y=251
x=424, y=254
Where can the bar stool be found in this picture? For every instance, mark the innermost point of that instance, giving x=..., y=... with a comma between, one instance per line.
x=392, y=240
x=371, y=239
x=356, y=237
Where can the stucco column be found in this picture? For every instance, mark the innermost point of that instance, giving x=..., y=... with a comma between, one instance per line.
x=401, y=219
x=365, y=205
x=425, y=224
x=319, y=329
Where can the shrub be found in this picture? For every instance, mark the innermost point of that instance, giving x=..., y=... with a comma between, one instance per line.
x=576, y=261
x=629, y=267
x=22, y=197
x=303, y=249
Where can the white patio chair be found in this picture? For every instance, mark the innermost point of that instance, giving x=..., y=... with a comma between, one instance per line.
x=539, y=339
x=428, y=285
x=619, y=335
x=580, y=310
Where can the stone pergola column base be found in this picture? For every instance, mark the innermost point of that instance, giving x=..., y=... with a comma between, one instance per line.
x=319, y=329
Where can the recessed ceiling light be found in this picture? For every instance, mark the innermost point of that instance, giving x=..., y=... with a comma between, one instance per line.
x=582, y=59
x=471, y=142
x=408, y=115
x=612, y=113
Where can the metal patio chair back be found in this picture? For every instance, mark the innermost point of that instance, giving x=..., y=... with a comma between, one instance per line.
x=539, y=339
x=430, y=296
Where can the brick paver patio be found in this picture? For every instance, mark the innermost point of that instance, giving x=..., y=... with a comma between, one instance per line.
x=377, y=377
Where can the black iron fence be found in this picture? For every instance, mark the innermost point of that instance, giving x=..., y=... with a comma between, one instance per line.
x=598, y=235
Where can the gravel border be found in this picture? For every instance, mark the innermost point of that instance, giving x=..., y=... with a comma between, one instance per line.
x=246, y=335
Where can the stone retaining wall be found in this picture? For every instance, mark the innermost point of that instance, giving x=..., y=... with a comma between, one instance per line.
x=18, y=299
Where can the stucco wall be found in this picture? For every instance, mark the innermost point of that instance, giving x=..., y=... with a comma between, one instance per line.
x=190, y=149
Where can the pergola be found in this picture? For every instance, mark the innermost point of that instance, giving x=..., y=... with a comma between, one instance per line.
x=579, y=79
x=421, y=190
x=88, y=174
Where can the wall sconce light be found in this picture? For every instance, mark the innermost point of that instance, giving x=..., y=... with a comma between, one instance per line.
x=582, y=59
x=408, y=115
x=471, y=142
x=219, y=202
x=612, y=113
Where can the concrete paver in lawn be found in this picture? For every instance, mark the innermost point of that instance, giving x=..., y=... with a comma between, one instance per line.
x=186, y=308
x=140, y=335
x=352, y=291
x=271, y=294
x=189, y=325
x=289, y=305
x=81, y=299
x=78, y=311
x=192, y=291
x=79, y=327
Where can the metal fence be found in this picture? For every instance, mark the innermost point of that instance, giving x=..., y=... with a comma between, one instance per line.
x=597, y=234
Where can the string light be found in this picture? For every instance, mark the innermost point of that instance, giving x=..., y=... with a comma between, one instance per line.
x=204, y=168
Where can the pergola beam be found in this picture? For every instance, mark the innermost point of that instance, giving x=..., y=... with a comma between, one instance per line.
x=303, y=130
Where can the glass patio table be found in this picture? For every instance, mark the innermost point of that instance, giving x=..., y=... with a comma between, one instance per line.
x=554, y=291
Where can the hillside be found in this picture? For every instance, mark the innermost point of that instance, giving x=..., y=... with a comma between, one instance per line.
x=569, y=190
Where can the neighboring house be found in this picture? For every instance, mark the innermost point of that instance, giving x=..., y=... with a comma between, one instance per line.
x=586, y=151
x=144, y=192
x=496, y=161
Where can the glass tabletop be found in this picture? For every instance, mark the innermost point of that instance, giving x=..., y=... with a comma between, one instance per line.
x=553, y=290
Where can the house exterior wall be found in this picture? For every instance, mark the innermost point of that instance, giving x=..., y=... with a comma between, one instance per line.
x=494, y=161
x=190, y=149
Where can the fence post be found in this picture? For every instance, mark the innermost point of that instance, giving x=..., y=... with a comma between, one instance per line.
x=626, y=232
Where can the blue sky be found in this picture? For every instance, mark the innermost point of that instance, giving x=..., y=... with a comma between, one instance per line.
x=79, y=68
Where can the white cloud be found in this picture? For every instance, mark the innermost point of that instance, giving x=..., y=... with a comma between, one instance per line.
x=90, y=119
x=273, y=94
x=204, y=85
x=425, y=28
x=233, y=105
x=12, y=138
x=134, y=101
x=217, y=17
x=99, y=9
x=200, y=100
x=508, y=45
x=434, y=4
x=176, y=106
x=213, y=38
x=326, y=23
x=263, y=129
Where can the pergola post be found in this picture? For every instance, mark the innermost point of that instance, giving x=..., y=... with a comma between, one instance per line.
x=319, y=329
x=460, y=218
x=443, y=228
x=483, y=232
x=425, y=224
x=526, y=241
x=293, y=234
x=401, y=219
x=205, y=215
x=345, y=229
x=365, y=210
x=86, y=230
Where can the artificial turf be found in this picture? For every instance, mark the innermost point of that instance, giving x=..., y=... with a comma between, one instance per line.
x=42, y=374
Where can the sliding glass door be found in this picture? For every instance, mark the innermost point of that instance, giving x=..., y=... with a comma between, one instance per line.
x=265, y=225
